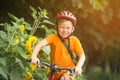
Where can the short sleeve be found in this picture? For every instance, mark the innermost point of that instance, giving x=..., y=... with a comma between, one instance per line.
x=78, y=49
x=50, y=38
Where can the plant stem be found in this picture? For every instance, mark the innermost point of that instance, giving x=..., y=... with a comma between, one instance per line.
x=35, y=25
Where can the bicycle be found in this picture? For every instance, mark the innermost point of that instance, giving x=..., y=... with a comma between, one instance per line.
x=54, y=68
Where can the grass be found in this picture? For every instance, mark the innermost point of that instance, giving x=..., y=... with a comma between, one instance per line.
x=98, y=74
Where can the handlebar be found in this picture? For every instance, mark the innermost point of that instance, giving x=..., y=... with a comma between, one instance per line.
x=54, y=68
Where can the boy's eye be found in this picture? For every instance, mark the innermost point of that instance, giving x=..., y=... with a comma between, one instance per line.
x=62, y=27
x=68, y=27
x=65, y=27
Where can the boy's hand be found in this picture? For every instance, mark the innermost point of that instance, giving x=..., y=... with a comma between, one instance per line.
x=35, y=60
x=78, y=71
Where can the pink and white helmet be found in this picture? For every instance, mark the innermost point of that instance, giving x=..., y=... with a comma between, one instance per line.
x=66, y=15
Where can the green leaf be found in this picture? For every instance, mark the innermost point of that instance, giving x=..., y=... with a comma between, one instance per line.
x=33, y=9
x=27, y=26
x=34, y=12
x=15, y=75
x=21, y=52
x=48, y=22
x=2, y=62
x=2, y=35
x=11, y=42
x=13, y=17
x=3, y=69
x=3, y=73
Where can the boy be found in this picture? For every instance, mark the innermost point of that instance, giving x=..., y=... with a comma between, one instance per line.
x=59, y=53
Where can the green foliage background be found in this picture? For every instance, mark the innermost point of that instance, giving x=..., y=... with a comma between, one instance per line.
x=97, y=28
x=13, y=55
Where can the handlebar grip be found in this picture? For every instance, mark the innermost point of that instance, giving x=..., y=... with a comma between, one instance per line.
x=28, y=60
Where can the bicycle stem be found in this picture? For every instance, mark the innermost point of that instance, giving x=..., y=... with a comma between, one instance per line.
x=53, y=69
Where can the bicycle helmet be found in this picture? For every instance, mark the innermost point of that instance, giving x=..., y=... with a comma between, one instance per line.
x=66, y=15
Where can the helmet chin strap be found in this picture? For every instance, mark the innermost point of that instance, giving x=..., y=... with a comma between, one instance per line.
x=68, y=36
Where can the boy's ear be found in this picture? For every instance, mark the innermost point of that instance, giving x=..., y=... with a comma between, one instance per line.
x=73, y=29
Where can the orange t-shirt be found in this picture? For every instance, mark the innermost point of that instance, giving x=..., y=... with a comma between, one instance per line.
x=59, y=54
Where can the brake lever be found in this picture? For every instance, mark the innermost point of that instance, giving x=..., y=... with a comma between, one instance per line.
x=72, y=72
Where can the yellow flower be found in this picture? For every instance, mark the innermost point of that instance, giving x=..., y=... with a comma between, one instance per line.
x=47, y=70
x=33, y=39
x=28, y=47
x=17, y=41
x=28, y=76
x=30, y=43
x=22, y=28
x=33, y=67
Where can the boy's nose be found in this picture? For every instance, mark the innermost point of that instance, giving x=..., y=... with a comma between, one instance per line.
x=64, y=29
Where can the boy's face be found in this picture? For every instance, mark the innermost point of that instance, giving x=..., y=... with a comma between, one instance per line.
x=65, y=28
